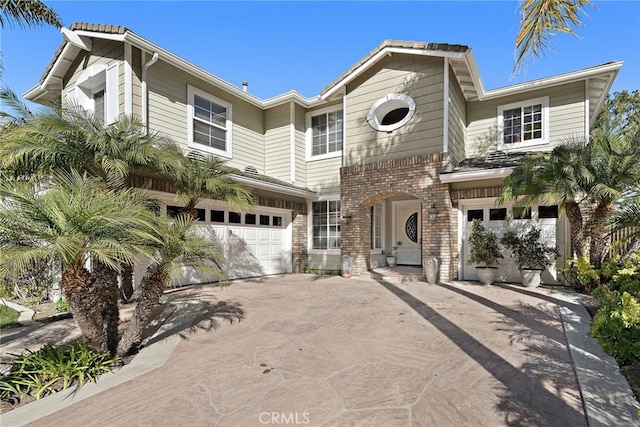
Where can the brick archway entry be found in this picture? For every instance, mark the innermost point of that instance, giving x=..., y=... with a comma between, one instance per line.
x=361, y=186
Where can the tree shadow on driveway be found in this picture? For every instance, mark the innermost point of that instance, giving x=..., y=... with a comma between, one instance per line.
x=525, y=394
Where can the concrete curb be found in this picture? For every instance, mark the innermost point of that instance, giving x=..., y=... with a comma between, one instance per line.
x=26, y=314
x=606, y=395
x=159, y=349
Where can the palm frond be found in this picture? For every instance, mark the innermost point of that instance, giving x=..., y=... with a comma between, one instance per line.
x=27, y=14
x=540, y=20
x=20, y=111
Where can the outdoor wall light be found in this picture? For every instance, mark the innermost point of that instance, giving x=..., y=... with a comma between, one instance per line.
x=433, y=211
x=347, y=217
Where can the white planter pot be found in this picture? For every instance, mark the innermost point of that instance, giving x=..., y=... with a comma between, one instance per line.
x=391, y=261
x=530, y=278
x=486, y=275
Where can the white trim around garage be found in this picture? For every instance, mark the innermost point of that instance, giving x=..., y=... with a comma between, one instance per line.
x=475, y=175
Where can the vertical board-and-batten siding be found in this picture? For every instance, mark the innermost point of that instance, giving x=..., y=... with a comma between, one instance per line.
x=277, y=139
x=167, y=87
x=566, y=118
x=421, y=78
x=103, y=52
x=457, y=120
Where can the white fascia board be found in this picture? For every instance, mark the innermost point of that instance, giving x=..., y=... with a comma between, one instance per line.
x=603, y=98
x=290, y=96
x=65, y=51
x=99, y=35
x=470, y=60
x=378, y=56
x=34, y=93
x=475, y=175
x=553, y=81
x=72, y=37
x=277, y=188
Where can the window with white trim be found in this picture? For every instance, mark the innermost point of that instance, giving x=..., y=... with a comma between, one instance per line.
x=326, y=224
x=96, y=91
x=209, y=122
x=376, y=226
x=325, y=133
x=523, y=124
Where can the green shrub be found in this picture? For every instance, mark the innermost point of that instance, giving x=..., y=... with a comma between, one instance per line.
x=622, y=274
x=616, y=325
x=484, y=248
x=322, y=272
x=52, y=369
x=62, y=306
x=581, y=275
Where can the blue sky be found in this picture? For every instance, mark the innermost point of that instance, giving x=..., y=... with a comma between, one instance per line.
x=279, y=46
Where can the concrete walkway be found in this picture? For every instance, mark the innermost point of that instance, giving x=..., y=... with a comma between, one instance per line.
x=327, y=351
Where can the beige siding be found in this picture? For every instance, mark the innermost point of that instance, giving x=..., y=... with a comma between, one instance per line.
x=301, y=163
x=167, y=88
x=457, y=120
x=277, y=141
x=323, y=176
x=566, y=118
x=103, y=52
x=419, y=77
x=136, y=81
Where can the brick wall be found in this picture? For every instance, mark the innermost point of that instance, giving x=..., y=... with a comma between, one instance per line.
x=299, y=255
x=366, y=184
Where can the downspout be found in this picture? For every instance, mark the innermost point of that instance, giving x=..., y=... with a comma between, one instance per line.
x=145, y=94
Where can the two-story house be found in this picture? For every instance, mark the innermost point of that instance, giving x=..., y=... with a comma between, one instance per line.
x=403, y=149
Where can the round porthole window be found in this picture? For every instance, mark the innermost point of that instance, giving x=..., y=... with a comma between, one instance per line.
x=391, y=112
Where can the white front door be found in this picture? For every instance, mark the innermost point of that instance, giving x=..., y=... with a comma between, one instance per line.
x=407, y=232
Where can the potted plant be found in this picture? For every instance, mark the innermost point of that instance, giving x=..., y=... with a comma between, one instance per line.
x=391, y=256
x=484, y=251
x=531, y=254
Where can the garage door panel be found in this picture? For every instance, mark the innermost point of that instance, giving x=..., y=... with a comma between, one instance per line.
x=551, y=230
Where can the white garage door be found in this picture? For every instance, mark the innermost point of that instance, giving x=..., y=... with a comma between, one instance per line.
x=519, y=219
x=255, y=244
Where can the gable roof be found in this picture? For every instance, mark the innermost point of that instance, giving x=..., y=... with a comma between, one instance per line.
x=598, y=78
x=390, y=47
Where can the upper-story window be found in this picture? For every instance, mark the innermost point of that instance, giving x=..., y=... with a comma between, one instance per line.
x=209, y=123
x=325, y=133
x=523, y=124
x=96, y=91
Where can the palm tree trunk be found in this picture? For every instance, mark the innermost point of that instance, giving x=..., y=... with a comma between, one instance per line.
x=93, y=299
x=599, y=231
x=578, y=247
x=149, y=292
x=126, y=282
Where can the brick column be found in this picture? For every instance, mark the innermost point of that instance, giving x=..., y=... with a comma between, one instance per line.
x=299, y=241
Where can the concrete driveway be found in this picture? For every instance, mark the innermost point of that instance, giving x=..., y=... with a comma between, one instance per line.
x=328, y=351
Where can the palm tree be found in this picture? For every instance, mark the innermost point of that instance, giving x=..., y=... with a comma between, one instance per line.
x=21, y=113
x=208, y=177
x=540, y=19
x=582, y=177
x=75, y=222
x=179, y=246
x=75, y=139
x=27, y=13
